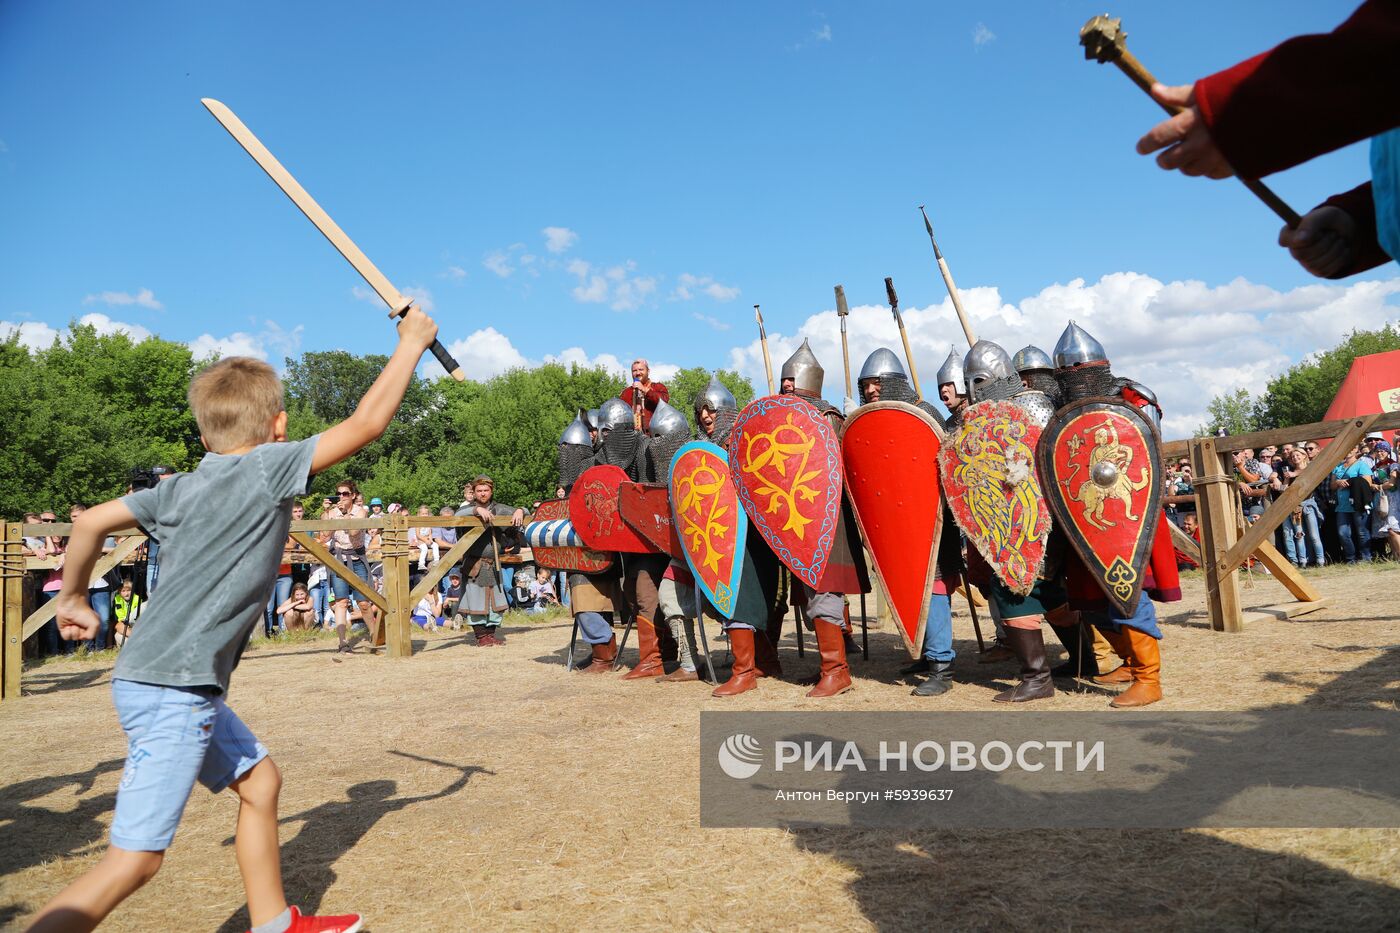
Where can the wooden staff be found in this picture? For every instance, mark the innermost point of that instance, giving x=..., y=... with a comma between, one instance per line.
x=908, y=353
x=1105, y=41
x=767, y=360
x=948, y=281
x=842, y=311
x=636, y=408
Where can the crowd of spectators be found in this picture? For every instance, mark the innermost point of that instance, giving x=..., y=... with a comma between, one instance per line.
x=306, y=595
x=1349, y=516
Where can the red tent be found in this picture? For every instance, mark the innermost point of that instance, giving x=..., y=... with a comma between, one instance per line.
x=1372, y=385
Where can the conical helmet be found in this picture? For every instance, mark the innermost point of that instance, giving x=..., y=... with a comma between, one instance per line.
x=593, y=418
x=667, y=420
x=614, y=413
x=716, y=397
x=1077, y=347
x=952, y=372
x=804, y=371
x=882, y=362
x=985, y=361
x=1031, y=358
x=577, y=432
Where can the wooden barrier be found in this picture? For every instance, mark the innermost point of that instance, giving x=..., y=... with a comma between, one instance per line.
x=394, y=631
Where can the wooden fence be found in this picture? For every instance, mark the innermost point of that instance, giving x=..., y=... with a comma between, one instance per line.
x=395, y=603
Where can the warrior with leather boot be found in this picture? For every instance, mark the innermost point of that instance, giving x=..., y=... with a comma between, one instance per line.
x=483, y=600
x=883, y=379
x=1102, y=455
x=802, y=376
x=1026, y=592
x=625, y=447
x=592, y=596
x=675, y=592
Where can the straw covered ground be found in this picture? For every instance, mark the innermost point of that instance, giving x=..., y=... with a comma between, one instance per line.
x=487, y=789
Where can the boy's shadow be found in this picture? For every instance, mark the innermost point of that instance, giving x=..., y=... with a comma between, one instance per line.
x=37, y=834
x=331, y=829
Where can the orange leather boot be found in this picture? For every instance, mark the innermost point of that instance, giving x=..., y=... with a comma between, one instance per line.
x=1145, y=660
x=603, y=657
x=744, y=675
x=648, y=651
x=836, y=674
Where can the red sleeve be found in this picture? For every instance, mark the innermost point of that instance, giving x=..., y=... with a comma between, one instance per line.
x=1309, y=95
x=657, y=394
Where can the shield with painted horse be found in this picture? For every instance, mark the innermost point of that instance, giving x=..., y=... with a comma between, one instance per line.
x=647, y=508
x=1103, y=479
x=555, y=544
x=890, y=451
x=711, y=525
x=595, y=514
x=989, y=478
x=786, y=463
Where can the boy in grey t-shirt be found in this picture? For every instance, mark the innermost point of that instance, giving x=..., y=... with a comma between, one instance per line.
x=171, y=679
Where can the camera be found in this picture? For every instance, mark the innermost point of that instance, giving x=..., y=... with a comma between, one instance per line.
x=147, y=477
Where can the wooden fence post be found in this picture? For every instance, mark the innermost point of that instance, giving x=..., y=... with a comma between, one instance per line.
x=1219, y=530
x=397, y=625
x=12, y=611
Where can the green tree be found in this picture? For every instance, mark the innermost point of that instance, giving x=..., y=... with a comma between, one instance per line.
x=1233, y=411
x=688, y=383
x=1303, y=393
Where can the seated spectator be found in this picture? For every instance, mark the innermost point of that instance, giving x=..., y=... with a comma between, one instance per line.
x=450, y=598
x=421, y=540
x=1252, y=478
x=297, y=612
x=427, y=615
x=126, y=608
x=542, y=594
x=521, y=587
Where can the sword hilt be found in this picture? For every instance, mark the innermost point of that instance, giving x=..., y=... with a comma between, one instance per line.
x=449, y=363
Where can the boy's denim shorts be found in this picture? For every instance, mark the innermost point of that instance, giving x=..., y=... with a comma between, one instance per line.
x=175, y=736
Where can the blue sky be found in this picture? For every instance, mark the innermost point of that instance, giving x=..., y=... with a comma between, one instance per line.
x=687, y=161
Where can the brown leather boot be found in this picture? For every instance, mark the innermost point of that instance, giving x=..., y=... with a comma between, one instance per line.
x=648, y=650
x=603, y=657
x=483, y=636
x=1029, y=645
x=836, y=674
x=679, y=676
x=996, y=651
x=744, y=676
x=1146, y=665
x=766, y=656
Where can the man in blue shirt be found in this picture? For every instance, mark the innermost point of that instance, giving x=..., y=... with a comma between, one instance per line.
x=1351, y=515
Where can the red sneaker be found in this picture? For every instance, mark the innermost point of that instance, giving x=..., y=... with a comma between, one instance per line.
x=344, y=923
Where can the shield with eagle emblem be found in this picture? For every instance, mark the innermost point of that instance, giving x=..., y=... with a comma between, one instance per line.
x=1103, y=480
x=989, y=479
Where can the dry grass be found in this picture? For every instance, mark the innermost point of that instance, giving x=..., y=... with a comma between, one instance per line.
x=543, y=801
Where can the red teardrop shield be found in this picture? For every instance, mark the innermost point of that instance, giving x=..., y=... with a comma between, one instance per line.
x=647, y=508
x=890, y=451
x=579, y=559
x=1103, y=480
x=786, y=463
x=594, y=511
x=989, y=478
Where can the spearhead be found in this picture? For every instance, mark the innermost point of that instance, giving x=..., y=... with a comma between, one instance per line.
x=891, y=296
x=841, y=309
x=758, y=316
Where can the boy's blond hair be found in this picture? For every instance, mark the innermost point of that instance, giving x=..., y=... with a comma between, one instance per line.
x=234, y=402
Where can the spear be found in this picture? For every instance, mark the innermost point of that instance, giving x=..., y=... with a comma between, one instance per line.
x=842, y=311
x=908, y=353
x=948, y=281
x=767, y=360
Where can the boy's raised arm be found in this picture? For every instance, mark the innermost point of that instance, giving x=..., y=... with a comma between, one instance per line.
x=76, y=620
x=417, y=332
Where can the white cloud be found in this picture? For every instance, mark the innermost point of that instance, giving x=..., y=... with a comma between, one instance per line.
x=454, y=273
x=1184, y=339
x=981, y=35
x=687, y=285
x=506, y=262
x=236, y=344
x=714, y=322
x=483, y=354
x=105, y=325
x=559, y=239
x=144, y=297
x=823, y=34
x=421, y=295
x=33, y=335
x=499, y=263
x=615, y=285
